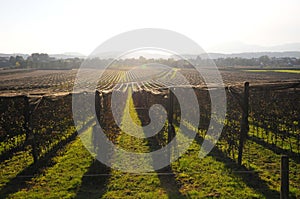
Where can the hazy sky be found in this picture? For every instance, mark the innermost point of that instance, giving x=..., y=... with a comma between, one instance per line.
x=57, y=26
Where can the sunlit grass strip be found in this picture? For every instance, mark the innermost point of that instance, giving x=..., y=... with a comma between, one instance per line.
x=126, y=185
x=264, y=161
x=64, y=177
x=276, y=71
x=207, y=177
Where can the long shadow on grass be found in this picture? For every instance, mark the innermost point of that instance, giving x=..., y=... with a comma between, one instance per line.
x=10, y=153
x=166, y=175
x=294, y=156
x=250, y=177
x=94, y=181
x=19, y=181
x=169, y=183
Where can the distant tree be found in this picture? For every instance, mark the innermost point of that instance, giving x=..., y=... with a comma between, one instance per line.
x=19, y=58
x=12, y=60
x=35, y=57
x=21, y=62
x=43, y=57
x=29, y=62
x=264, y=60
x=142, y=59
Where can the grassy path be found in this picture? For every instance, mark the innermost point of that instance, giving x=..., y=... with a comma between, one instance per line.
x=75, y=174
x=122, y=184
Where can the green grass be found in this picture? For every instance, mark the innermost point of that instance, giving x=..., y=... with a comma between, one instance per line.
x=288, y=143
x=13, y=142
x=73, y=173
x=63, y=178
x=10, y=168
x=120, y=184
x=267, y=164
x=275, y=70
x=209, y=177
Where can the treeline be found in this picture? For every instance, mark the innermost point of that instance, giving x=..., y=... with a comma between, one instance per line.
x=263, y=61
x=39, y=61
x=44, y=61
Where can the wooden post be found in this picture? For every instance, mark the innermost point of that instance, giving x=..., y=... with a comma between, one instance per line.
x=170, y=107
x=103, y=108
x=30, y=137
x=95, y=138
x=97, y=105
x=284, y=170
x=171, y=129
x=26, y=117
x=244, y=122
x=34, y=150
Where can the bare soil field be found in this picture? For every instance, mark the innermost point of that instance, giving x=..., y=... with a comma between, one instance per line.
x=49, y=81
